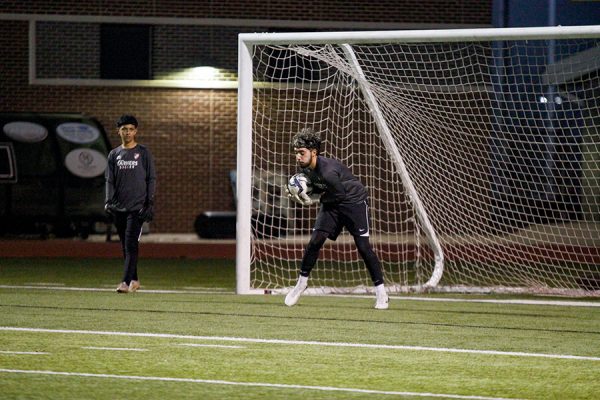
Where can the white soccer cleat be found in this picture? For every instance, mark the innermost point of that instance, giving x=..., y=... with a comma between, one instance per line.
x=383, y=300
x=294, y=295
x=382, y=304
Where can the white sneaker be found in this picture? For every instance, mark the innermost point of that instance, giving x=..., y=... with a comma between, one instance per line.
x=294, y=295
x=383, y=300
x=123, y=288
x=134, y=286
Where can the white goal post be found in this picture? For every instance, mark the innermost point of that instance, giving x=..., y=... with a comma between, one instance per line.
x=480, y=149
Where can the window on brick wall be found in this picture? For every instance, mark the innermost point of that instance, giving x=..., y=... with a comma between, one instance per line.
x=8, y=167
x=125, y=51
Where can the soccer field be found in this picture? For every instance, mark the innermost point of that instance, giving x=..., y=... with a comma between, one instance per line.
x=65, y=334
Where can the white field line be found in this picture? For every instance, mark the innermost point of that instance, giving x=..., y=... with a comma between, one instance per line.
x=113, y=348
x=32, y=353
x=507, y=301
x=91, y=289
x=252, y=384
x=222, y=346
x=302, y=343
x=191, y=290
x=562, y=303
x=45, y=283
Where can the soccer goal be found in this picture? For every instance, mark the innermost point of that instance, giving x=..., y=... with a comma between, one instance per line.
x=480, y=149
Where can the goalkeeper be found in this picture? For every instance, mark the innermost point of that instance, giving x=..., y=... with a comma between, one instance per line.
x=343, y=201
x=130, y=186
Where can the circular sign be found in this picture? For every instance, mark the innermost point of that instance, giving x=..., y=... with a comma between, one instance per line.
x=86, y=163
x=76, y=132
x=26, y=132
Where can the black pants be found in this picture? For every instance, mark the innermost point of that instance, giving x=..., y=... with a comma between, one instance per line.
x=332, y=218
x=317, y=240
x=129, y=228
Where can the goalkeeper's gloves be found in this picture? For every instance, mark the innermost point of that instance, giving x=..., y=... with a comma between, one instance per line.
x=301, y=198
x=146, y=214
x=291, y=196
x=307, y=200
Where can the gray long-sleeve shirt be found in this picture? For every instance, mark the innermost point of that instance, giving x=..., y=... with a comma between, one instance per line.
x=130, y=177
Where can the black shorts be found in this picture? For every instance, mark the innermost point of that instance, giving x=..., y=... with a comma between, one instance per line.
x=332, y=218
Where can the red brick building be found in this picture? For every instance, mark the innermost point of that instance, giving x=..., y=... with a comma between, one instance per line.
x=191, y=130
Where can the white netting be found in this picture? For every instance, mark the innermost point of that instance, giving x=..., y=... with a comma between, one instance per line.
x=500, y=140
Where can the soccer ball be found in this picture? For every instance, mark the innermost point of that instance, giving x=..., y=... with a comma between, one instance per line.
x=299, y=183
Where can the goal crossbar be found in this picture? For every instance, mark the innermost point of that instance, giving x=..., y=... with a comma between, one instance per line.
x=423, y=36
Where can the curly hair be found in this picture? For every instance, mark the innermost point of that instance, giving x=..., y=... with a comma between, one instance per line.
x=307, y=138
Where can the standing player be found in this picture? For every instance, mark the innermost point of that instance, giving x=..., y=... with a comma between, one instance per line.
x=343, y=204
x=130, y=186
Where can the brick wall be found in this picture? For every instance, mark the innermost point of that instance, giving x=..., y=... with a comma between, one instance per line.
x=408, y=11
x=192, y=133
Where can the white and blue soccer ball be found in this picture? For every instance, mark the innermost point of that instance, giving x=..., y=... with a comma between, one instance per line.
x=299, y=183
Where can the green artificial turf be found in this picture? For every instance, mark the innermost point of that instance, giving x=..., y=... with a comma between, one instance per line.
x=200, y=340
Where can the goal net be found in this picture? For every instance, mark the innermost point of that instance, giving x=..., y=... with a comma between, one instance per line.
x=480, y=150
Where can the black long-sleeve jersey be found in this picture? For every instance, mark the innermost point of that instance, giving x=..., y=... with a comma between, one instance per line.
x=336, y=182
x=130, y=177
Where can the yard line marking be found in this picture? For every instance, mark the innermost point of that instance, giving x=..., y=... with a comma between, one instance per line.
x=303, y=343
x=253, y=384
x=507, y=301
x=34, y=353
x=113, y=348
x=190, y=290
x=91, y=289
x=562, y=303
x=211, y=345
x=206, y=289
x=50, y=284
